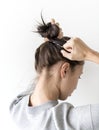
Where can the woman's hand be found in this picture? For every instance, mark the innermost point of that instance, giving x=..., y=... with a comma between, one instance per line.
x=78, y=50
x=60, y=33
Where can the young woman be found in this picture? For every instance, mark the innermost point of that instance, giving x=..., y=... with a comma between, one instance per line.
x=59, y=63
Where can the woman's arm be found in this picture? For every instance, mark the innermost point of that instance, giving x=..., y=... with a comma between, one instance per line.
x=79, y=51
x=93, y=56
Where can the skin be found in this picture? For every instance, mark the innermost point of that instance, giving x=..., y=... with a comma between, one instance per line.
x=59, y=85
x=69, y=82
x=76, y=46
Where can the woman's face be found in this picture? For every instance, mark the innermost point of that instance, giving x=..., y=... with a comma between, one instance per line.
x=69, y=83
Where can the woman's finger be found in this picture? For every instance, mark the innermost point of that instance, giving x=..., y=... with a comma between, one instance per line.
x=57, y=24
x=52, y=21
x=66, y=54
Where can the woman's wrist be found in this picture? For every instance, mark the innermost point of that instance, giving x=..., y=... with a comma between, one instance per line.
x=92, y=56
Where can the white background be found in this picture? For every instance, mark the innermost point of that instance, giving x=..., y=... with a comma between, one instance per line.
x=18, y=18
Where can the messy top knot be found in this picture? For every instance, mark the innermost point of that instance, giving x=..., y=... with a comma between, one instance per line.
x=50, y=31
x=49, y=52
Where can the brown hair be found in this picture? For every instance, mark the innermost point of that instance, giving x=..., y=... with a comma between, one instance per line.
x=48, y=53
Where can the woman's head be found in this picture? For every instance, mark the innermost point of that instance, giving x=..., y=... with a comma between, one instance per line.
x=48, y=57
x=49, y=53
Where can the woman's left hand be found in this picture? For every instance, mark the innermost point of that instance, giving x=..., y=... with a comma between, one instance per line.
x=60, y=33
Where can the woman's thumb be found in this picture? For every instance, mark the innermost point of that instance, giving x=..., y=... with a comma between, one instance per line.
x=66, y=54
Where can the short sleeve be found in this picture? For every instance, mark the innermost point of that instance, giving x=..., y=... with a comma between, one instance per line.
x=68, y=117
x=79, y=118
x=94, y=109
x=84, y=117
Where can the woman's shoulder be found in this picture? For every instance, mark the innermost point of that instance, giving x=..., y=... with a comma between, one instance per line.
x=19, y=101
x=63, y=104
x=62, y=107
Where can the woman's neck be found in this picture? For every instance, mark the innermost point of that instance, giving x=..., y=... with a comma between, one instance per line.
x=45, y=91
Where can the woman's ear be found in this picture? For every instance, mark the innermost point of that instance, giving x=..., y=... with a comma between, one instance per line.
x=64, y=68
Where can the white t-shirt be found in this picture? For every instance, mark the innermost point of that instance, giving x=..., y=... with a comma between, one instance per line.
x=53, y=115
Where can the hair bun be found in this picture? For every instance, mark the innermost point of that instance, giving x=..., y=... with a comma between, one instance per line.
x=50, y=31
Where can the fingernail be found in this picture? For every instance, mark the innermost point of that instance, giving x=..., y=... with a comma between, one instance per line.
x=62, y=51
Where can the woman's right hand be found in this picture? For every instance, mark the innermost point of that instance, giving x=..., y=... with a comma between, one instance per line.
x=78, y=50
